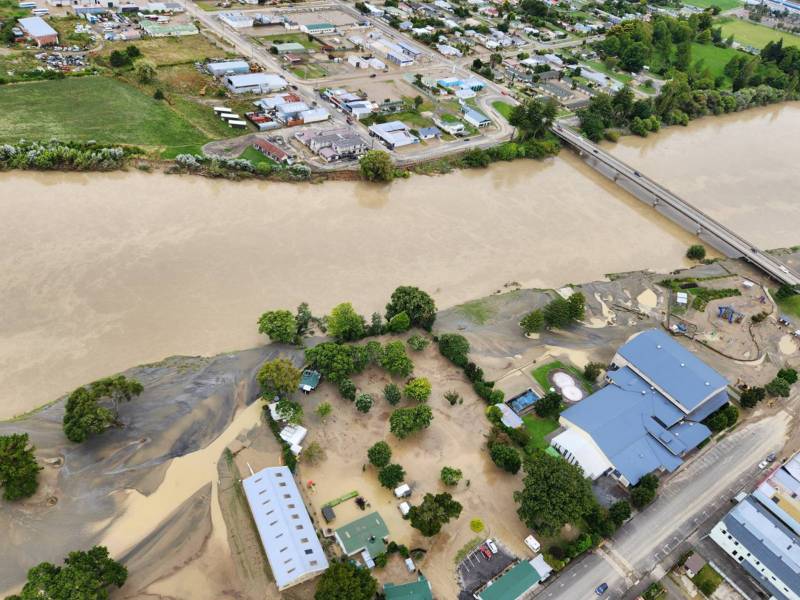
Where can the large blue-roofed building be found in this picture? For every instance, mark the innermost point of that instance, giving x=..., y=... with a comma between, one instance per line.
x=762, y=532
x=647, y=416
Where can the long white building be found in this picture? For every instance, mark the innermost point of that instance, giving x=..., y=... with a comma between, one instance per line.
x=287, y=533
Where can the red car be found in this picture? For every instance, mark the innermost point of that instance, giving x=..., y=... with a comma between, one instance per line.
x=486, y=552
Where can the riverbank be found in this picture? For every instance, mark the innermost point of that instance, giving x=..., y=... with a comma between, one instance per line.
x=151, y=488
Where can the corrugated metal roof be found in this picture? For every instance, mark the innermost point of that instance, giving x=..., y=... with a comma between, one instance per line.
x=672, y=368
x=416, y=590
x=513, y=584
x=37, y=27
x=283, y=523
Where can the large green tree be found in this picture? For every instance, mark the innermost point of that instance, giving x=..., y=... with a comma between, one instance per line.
x=376, y=165
x=434, y=512
x=455, y=348
x=555, y=492
x=278, y=377
x=418, y=389
x=379, y=454
x=346, y=580
x=405, y=421
x=84, y=576
x=85, y=413
x=334, y=361
x=417, y=304
x=18, y=468
x=391, y=475
x=345, y=324
x=279, y=325
x=505, y=457
x=533, y=118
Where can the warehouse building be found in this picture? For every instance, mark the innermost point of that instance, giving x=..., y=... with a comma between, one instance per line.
x=37, y=30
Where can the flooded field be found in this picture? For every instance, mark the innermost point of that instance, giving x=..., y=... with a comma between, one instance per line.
x=105, y=271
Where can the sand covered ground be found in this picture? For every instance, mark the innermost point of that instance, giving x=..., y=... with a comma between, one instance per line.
x=161, y=492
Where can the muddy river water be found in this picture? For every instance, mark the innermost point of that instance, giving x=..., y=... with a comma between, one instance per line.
x=103, y=271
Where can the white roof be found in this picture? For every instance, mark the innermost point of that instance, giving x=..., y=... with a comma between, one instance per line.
x=37, y=27
x=541, y=566
x=292, y=107
x=583, y=452
x=248, y=79
x=286, y=531
x=510, y=418
x=293, y=434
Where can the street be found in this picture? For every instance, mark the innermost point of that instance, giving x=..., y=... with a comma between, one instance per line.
x=684, y=502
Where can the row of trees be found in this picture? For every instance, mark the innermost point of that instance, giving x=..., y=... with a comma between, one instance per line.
x=78, y=156
x=455, y=348
x=556, y=314
x=780, y=386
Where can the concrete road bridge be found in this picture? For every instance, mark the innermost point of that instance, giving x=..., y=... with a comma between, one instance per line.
x=675, y=208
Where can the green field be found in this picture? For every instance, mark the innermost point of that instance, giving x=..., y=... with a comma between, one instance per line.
x=723, y=4
x=91, y=108
x=256, y=157
x=752, y=34
x=713, y=58
x=504, y=108
x=285, y=38
x=598, y=66
x=790, y=306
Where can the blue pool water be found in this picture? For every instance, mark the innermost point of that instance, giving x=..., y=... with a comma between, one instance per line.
x=523, y=401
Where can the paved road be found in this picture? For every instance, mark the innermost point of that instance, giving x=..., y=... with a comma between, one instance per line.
x=727, y=240
x=683, y=504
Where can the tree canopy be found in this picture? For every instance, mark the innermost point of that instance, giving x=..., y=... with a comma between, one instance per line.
x=505, y=457
x=364, y=403
x=455, y=348
x=346, y=580
x=334, y=361
x=19, y=471
x=548, y=405
x=418, y=389
x=391, y=475
x=345, y=324
x=450, y=475
x=405, y=421
x=278, y=377
x=279, y=326
x=84, y=575
x=417, y=304
x=395, y=360
x=84, y=414
x=533, y=118
x=376, y=165
x=555, y=492
x=433, y=513
x=379, y=454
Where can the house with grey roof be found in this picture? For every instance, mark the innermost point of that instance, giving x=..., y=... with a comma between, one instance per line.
x=762, y=532
x=284, y=526
x=647, y=417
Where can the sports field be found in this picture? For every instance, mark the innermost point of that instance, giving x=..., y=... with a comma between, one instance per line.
x=752, y=34
x=723, y=4
x=91, y=108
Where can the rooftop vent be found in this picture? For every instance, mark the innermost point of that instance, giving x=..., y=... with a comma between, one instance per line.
x=658, y=346
x=683, y=364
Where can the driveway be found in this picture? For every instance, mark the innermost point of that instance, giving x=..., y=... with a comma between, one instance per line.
x=685, y=502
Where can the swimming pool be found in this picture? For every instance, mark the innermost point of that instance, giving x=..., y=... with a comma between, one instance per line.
x=524, y=400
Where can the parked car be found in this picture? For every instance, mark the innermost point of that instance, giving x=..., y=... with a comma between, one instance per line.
x=601, y=589
x=485, y=551
x=532, y=543
x=763, y=464
x=771, y=457
x=492, y=545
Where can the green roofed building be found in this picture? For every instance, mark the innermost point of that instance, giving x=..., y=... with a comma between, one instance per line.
x=417, y=590
x=290, y=47
x=310, y=380
x=366, y=535
x=514, y=584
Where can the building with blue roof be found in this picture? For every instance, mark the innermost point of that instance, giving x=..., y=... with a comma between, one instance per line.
x=647, y=416
x=762, y=532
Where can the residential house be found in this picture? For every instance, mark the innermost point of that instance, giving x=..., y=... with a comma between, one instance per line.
x=429, y=133
x=274, y=152
x=365, y=537
x=333, y=144
x=475, y=118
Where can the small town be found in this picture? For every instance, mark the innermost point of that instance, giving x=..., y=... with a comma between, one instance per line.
x=400, y=300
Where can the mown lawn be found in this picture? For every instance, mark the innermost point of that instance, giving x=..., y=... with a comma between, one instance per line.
x=752, y=34
x=540, y=374
x=91, y=108
x=539, y=428
x=790, y=306
x=504, y=108
x=723, y=4
x=713, y=58
x=256, y=157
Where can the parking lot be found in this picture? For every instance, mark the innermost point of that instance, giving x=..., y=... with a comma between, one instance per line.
x=475, y=570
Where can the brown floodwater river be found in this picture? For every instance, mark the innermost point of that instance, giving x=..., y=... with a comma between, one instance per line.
x=104, y=271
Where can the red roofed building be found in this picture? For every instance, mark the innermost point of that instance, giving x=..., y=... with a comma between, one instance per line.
x=272, y=151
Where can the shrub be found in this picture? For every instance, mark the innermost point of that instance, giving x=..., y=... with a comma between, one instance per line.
x=395, y=360
x=450, y=475
x=752, y=396
x=379, y=454
x=548, y=405
x=392, y=394
x=347, y=389
x=405, y=421
x=364, y=403
x=476, y=525
x=619, y=512
x=520, y=436
x=592, y=371
x=452, y=397
x=778, y=387
x=473, y=372
x=158, y=94
x=455, y=348
x=696, y=252
x=788, y=374
x=533, y=322
x=399, y=323
x=418, y=389
x=417, y=342
x=505, y=457
x=391, y=476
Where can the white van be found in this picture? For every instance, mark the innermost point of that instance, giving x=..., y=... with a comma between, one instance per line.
x=404, y=508
x=532, y=543
x=402, y=491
